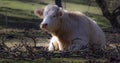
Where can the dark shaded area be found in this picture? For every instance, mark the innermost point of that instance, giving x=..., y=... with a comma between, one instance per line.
x=58, y=3
x=110, y=54
x=111, y=16
x=17, y=22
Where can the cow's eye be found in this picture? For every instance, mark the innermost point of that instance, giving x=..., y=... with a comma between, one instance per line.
x=54, y=15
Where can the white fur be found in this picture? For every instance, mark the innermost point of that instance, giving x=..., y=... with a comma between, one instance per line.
x=72, y=30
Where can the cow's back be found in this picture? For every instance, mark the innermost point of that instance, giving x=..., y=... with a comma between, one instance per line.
x=97, y=35
x=88, y=29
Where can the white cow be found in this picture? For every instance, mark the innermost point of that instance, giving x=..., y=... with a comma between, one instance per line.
x=70, y=30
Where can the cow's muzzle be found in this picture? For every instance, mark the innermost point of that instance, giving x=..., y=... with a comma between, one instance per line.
x=44, y=26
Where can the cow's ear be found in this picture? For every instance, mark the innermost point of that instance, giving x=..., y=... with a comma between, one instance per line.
x=39, y=12
x=60, y=12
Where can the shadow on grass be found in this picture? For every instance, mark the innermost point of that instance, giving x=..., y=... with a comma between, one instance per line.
x=20, y=23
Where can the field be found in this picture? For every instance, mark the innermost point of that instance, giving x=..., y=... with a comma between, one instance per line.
x=17, y=20
x=21, y=13
x=54, y=60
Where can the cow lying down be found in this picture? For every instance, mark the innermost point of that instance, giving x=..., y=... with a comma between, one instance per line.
x=70, y=30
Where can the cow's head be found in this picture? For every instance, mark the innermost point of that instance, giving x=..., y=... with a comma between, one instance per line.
x=51, y=17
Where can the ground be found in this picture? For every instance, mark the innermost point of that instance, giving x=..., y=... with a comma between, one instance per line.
x=54, y=60
x=17, y=20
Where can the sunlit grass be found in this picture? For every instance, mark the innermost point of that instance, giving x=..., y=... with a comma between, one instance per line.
x=32, y=6
x=19, y=5
x=83, y=8
x=26, y=10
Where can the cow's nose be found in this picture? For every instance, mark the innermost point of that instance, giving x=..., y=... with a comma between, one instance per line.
x=44, y=25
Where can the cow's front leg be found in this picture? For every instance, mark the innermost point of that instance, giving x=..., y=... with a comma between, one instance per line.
x=77, y=44
x=53, y=45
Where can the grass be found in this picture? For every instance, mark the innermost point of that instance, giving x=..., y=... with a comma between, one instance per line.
x=53, y=60
x=17, y=7
x=20, y=15
x=83, y=8
x=21, y=11
x=15, y=4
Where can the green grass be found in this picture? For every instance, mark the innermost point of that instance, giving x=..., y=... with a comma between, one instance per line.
x=83, y=8
x=18, y=7
x=21, y=11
